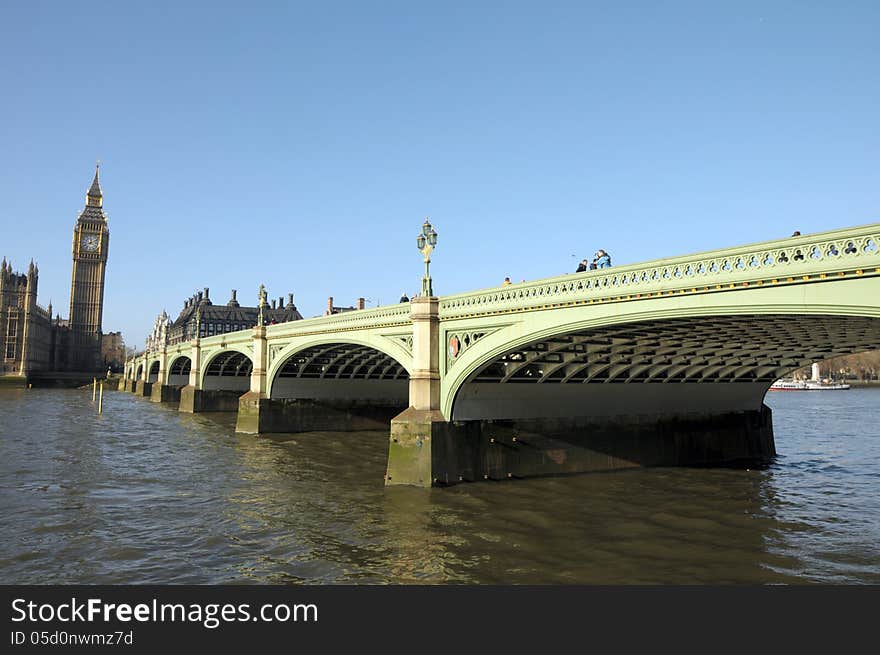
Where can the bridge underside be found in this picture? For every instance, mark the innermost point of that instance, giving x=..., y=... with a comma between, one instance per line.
x=227, y=376
x=168, y=389
x=228, y=371
x=675, y=366
x=178, y=372
x=652, y=393
x=337, y=386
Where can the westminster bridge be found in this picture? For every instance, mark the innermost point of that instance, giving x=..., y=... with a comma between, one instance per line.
x=661, y=363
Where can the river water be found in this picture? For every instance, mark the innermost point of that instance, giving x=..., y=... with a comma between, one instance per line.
x=143, y=494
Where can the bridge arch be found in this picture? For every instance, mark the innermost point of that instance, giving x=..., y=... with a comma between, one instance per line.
x=178, y=371
x=138, y=372
x=704, y=359
x=153, y=375
x=227, y=370
x=334, y=369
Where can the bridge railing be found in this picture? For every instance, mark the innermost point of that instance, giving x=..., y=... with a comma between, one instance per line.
x=783, y=260
x=779, y=261
x=388, y=315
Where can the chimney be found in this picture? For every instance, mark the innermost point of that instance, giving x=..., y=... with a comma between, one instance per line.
x=330, y=305
x=206, y=293
x=360, y=303
x=280, y=302
x=290, y=300
x=273, y=303
x=233, y=301
x=200, y=296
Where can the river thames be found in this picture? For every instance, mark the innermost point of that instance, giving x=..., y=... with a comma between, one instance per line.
x=144, y=494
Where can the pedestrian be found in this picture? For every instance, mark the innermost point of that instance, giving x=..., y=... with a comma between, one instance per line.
x=583, y=266
x=797, y=233
x=603, y=259
x=506, y=281
x=403, y=297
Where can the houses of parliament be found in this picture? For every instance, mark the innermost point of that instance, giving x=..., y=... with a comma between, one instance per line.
x=32, y=342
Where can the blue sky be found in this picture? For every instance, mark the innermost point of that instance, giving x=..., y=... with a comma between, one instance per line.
x=301, y=145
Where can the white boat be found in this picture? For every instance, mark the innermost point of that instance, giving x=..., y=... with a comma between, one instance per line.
x=814, y=384
x=807, y=385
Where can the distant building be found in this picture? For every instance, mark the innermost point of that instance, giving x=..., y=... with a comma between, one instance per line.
x=113, y=350
x=31, y=340
x=332, y=309
x=25, y=326
x=219, y=319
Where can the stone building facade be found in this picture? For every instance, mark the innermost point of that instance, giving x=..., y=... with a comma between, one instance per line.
x=26, y=334
x=113, y=351
x=201, y=316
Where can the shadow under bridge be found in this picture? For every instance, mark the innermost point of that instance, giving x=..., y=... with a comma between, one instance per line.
x=681, y=366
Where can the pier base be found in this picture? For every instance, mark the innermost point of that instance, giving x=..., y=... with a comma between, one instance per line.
x=426, y=450
x=143, y=388
x=194, y=401
x=258, y=414
x=165, y=393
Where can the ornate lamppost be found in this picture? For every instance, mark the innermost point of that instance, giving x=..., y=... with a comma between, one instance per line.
x=425, y=243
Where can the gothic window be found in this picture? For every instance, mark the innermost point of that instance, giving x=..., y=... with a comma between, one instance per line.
x=10, y=350
x=12, y=328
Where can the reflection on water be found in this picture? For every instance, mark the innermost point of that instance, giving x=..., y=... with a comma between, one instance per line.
x=143, y=494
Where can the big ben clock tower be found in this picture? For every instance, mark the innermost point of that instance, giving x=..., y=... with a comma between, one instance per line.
x=91, y=240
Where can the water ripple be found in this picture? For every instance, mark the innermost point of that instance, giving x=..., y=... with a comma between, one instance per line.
x=143, y=494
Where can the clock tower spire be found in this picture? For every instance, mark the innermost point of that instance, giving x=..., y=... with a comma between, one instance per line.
x=91, y=240
x=95, y=197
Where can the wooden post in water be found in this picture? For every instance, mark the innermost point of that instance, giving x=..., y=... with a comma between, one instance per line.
x=101, y=400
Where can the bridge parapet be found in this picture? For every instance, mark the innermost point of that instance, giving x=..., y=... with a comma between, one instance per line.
x=782, y=261
x=378, y=317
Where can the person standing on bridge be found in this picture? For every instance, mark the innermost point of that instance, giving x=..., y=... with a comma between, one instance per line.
x=403, y=297
x=603, y=259
x=583, y=266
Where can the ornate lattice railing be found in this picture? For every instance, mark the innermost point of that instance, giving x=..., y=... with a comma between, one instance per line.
x=781, y=261
x=353, y=320
x=852, y=250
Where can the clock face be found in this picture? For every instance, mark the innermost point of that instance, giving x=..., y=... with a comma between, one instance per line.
x=89, y=242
